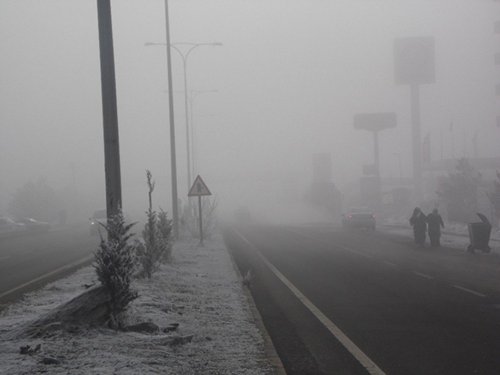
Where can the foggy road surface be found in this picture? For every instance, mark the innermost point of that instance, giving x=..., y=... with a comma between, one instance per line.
x=354, y=302
x=27, y=260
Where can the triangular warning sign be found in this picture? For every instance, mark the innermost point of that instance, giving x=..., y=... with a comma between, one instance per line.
x=199, y=188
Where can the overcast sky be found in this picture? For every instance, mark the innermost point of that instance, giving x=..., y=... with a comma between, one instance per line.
x=289, y=78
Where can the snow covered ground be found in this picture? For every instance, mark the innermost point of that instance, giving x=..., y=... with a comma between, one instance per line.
x=200, y=291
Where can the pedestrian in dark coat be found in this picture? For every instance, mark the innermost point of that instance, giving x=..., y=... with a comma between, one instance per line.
x=435, y=223
x=419, y=223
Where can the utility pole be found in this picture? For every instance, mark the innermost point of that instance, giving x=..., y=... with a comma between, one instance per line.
x=109, y=111
x=173, y=162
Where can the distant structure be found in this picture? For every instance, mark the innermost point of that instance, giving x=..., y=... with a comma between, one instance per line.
x=322, y=192
x=414, y=66
x=375, y=123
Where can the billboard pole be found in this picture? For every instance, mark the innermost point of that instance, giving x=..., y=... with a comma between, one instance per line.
x=414, y=65
x=416, y=140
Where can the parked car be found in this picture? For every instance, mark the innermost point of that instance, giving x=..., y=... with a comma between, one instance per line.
x=359, y=218
x=98, y=219
x=7, y=225
x=33, y=225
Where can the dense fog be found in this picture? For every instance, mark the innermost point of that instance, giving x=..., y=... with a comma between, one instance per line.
x=283, y=87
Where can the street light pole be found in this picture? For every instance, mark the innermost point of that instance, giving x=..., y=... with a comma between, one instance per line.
x=184, y=56
x=173, y=162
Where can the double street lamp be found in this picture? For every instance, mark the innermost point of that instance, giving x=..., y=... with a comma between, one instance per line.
x=184, y=56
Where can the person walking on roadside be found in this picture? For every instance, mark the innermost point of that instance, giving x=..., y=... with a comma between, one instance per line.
x=435, y=223
x=418, y=221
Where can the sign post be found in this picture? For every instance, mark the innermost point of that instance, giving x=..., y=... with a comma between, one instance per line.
x=199, y=189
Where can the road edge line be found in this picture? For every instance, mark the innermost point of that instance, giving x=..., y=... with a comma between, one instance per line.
x=272, y=354
x=355, y=351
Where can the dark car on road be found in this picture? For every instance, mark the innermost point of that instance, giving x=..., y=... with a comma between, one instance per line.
x=359, y=218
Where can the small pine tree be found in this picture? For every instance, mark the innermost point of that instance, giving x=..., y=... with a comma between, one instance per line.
x=147, y=253
x=157, y=235
x=114, y=265
x=164, y=231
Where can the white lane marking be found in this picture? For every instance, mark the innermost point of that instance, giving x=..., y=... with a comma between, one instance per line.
x=389, y=263
x=424, y=275
x=362, y=358
x=469, y=291
x=47, y=275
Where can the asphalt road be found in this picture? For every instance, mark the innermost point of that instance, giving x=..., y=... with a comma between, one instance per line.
x=26, y=261
x=403, y=310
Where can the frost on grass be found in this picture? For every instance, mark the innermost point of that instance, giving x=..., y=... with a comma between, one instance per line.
x=206, y=326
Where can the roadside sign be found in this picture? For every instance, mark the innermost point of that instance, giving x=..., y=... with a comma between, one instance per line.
x=199, y=188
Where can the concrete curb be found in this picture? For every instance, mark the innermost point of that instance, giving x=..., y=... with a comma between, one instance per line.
x=38, y=282
x=269, y=348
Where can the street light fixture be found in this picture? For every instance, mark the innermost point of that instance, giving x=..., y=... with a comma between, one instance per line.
x=184, y=56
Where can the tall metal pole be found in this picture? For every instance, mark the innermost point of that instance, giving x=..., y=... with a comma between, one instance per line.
x=186, y=109
x=173, y=162
x=109, y=111
x=184, y=57
x=416, y=141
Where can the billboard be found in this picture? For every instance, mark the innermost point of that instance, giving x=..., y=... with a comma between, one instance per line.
x=414, y=60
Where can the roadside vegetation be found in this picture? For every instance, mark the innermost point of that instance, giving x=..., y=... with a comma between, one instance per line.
x=118, y=259
x=156, y=244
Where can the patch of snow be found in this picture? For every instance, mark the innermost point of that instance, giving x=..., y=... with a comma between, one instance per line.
x=199, y=290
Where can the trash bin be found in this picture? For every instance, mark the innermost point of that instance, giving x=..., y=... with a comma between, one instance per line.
x=479, y=234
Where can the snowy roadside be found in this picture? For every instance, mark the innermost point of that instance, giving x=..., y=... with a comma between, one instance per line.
x=200, y=291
